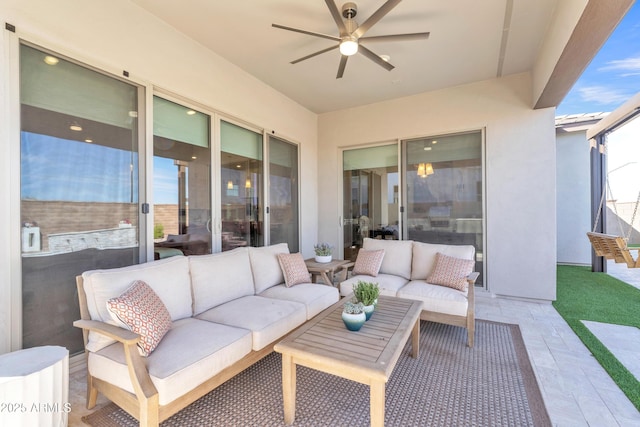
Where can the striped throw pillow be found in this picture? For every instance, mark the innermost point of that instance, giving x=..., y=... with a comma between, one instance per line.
x=451, y=272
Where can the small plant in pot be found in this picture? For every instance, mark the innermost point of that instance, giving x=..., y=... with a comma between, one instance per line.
x=367, y=293
x=323, y=252
x=353, y=315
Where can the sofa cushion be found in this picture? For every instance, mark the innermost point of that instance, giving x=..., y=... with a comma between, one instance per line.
x=294, y=269
x=140, y=310
x=315, y=297
x=424, y=256
x=175, y=372
x=436, y=298
x=389, y=284
x=265, y=267
x=397, y=255
x=368, y=262
x=268, y=319
x=219, y=278
x=169, y=279
x=451, y=272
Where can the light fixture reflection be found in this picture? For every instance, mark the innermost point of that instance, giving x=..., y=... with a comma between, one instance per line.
x=247, y=183
x=75, y=127
x=51, y=60
x=229, y=185
x=191, y=112
x=425, y=169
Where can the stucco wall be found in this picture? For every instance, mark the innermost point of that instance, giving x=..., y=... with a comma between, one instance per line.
x=573, y=198
x=519, y=169
x=114, y=36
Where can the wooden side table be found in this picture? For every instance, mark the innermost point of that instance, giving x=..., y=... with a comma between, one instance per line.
x=327, y=270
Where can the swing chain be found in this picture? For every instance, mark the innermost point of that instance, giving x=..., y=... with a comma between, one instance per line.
x=633, y=217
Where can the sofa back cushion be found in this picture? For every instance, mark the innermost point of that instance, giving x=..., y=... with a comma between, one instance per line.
x=397, y=255
x=424, y=256
x=169, y=279
x=265, y=267
x=219, y=278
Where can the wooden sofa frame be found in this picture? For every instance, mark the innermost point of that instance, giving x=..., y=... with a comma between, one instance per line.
x=468, y=322
x=144, y=405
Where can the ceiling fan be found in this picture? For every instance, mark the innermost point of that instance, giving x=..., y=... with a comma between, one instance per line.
x=350, y=39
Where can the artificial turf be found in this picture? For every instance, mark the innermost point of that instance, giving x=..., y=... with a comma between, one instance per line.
x=584, y=295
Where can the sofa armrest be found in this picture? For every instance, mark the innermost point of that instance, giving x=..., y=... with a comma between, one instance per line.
x=136, y=364
x=471, y=279
x=343, y=270
x=114, y=332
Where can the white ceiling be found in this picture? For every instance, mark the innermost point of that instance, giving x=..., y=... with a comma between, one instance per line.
x=464, y=45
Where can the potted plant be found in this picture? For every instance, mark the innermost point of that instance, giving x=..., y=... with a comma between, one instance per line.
x=353, y=315
x=323, y=252
x=367, y=293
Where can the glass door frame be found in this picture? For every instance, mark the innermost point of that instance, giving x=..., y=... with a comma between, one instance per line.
x=403, y=188
x=341, y=218
x=12, y=46
x=213, y=137
x=217, y=182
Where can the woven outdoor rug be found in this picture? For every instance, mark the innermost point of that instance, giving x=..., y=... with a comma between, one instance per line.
x=491, y=384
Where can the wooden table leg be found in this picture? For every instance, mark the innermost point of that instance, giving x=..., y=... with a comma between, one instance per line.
x=415, y=340
x=289, y=388
x=376, y=397
x=326, y=279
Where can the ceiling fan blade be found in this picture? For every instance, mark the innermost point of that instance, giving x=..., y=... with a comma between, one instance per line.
x=375, y=58
x=396, y=37
x=377, y=15
x=310, y=33
x=331, y=4
x=314, y=54
x=341, y=67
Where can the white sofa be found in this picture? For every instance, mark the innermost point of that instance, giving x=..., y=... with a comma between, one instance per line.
x=227, y=311
x=405, y=267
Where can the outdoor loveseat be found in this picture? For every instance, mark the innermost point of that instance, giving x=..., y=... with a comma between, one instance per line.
x=441, y=276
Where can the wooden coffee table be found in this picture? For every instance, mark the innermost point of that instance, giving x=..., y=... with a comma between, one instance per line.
x=367, y=356
x=326, y=270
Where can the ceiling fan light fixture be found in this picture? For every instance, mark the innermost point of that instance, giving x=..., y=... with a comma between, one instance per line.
x=348, y=46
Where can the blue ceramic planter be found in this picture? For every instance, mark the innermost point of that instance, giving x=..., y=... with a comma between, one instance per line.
x=354, y=322
x=368, y=310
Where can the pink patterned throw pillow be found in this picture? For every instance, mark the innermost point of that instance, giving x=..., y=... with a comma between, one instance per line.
x=141, y=310
x=294, y=269
x=451, y=272
x=368, y=262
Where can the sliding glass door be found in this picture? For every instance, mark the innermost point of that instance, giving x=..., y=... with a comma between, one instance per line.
x=79, y=188
x=241, y=186
x=283, y=193
x=443, y=191
x=370, y=192
x=181, y=180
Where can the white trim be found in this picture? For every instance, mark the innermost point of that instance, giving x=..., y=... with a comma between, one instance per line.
x=13, y=142
x=613, y=120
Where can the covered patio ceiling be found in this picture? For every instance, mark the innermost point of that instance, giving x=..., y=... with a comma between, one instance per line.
x=469, y=41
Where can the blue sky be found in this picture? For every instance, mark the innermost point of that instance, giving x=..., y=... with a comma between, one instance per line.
x=614, y=74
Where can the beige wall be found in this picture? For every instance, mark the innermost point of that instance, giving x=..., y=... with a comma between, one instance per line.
x=519, y=170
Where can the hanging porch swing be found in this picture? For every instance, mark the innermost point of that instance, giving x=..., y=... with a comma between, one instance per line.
x=615, y=247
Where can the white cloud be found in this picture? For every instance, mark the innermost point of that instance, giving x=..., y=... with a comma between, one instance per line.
x=602, y=95
x=628, y=64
